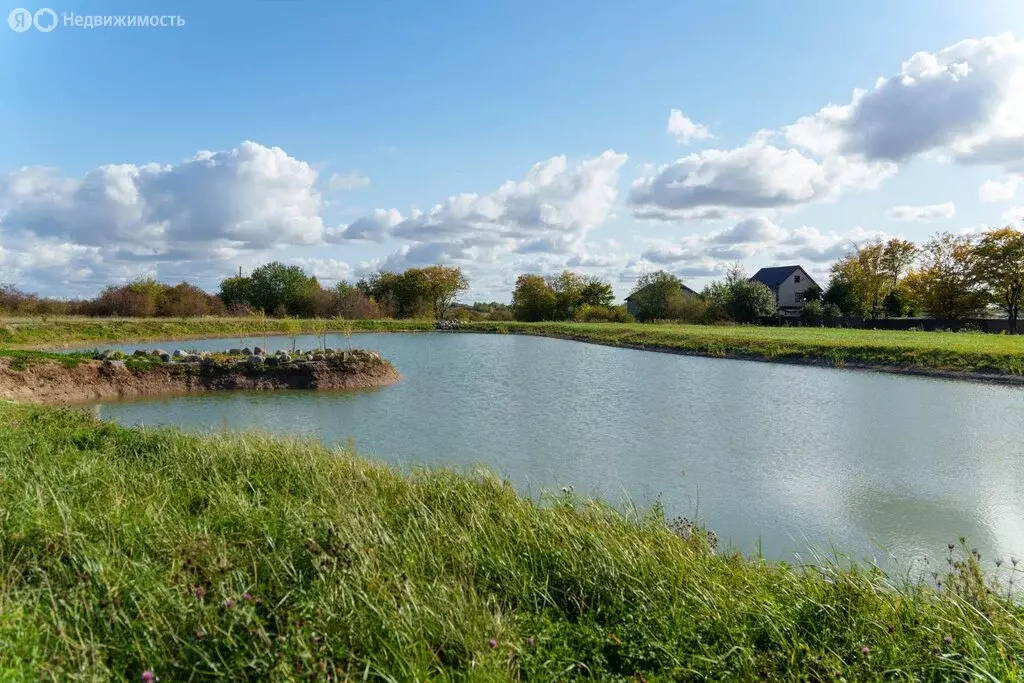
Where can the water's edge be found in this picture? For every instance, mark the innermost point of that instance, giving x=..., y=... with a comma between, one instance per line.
x=983, y=377
x=968, y=376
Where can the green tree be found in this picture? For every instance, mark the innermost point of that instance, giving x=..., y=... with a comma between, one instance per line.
x=897, y=258
x=748, y=301
x=653, y=294
x=812, y=293
x=597, y=292
x=276, y=288
x=533, y=299
x=740, y=299
x=946, y=285
x=862, y=270
x=441, y=286
x=236, y=291
x=840, y=295
x=999, y=266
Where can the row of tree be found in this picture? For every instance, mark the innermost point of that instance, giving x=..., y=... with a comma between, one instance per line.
x=663, y=296
x=566, y=296
x=144, y=297
x=951, y=276
x=275, y=289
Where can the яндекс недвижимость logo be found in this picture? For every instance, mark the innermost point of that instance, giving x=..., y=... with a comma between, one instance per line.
x=45, y=20
x=21, y=19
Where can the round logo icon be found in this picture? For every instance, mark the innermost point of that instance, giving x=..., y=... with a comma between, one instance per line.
x=45, y=20
x=20, y=19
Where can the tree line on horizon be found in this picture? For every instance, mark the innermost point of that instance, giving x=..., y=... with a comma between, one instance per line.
x=273, y=289
x=952, y=276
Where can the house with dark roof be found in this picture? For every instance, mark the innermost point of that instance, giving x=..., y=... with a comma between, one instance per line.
x=631, y=304
x=789, y=284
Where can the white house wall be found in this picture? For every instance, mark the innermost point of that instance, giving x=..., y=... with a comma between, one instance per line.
x=790, y=290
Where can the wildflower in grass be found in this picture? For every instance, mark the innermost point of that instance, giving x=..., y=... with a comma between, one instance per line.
x=229, y=603
x=892, y=628
x=948, y=640
x=148, y=676
x=247, y=597
x=199, y=592
x=865, y=650
x=531, y=641
x=492, y=643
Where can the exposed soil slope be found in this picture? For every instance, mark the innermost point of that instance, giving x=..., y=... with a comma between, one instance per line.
x=48, y=381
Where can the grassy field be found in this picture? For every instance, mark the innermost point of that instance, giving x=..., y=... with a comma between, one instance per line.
x=246, y=557
x=930, y=351
x=72, y=331
x=953, y=351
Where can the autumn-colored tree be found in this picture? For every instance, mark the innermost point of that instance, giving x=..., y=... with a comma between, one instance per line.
x=441, y=285
x=946, y=284
x=861, y=269
x=897, y=258
x=872, y=271
x=999, y=266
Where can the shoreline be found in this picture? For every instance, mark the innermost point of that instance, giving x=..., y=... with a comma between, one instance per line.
x=936, y=373
x=49, y=382
x=1003, y=362
x=90, y=345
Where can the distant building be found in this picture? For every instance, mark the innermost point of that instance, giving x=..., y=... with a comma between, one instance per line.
x=631, y=305
x=789, y=284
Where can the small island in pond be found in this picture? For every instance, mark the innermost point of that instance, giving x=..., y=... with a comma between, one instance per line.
x=47, y=378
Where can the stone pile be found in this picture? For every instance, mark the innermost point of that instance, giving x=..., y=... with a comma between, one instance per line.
x=446, y=325
x=247, y=358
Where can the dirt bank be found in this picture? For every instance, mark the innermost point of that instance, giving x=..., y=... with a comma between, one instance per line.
x=48, y=381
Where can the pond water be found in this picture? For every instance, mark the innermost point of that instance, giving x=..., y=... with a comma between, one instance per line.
x=778, y=457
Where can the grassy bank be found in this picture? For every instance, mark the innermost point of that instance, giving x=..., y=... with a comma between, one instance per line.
x=894, y=350
x=73, y=331
x=247, y=557
x=946, y=351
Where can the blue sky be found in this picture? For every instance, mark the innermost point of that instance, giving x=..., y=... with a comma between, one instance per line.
x=355, y=107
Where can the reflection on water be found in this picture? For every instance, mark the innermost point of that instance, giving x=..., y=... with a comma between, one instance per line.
x=777, y=456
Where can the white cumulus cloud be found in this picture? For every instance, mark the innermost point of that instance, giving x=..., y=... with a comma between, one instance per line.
x=714, y=183
x=352, y=180
x=923, y=214
x=965, y=101
x=997, y=190
x=684, y=130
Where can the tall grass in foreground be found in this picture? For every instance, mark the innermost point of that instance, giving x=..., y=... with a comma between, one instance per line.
x=124, y=551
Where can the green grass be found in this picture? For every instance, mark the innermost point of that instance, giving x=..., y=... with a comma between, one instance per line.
x=74, y=331
x=21, y=359
x=952, y=351
x=934, y=351
x=247, y=557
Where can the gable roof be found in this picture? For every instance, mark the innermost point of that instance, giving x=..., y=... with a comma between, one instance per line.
x=776, y=275
x=686, y=289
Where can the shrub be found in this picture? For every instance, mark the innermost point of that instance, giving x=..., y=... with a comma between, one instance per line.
x=812, y=311
x=686, y=308
x=830, y=310
x=501, y=314
x=587, y=313
x=353, y=304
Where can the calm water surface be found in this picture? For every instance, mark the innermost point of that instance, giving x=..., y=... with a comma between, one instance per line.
x=780, y=457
